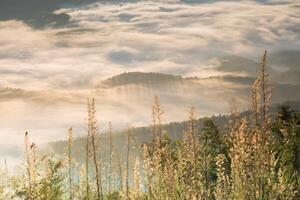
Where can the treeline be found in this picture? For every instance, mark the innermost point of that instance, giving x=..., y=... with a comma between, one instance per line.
x=141, y=78
x=257, y=158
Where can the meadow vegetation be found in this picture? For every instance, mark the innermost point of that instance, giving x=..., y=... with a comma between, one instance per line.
x=256, y=158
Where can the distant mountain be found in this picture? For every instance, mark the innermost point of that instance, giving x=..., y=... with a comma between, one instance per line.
x=40, y=96
x=174, y=89
x=193, y=90
x=159, y=79
x=287, y=59
x=237, y=64
x=142, y=78
x=283, y=66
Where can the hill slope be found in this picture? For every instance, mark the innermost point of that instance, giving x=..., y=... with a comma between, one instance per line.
x=140, y=135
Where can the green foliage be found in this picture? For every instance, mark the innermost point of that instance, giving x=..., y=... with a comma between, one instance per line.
x=51, y=186
x=286, y=140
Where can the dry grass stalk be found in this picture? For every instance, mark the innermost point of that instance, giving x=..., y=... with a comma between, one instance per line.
x=93, y=131
x=87, y=158
x=127, y=163
x=69, y=154
x=110, y=158
x=27, y=156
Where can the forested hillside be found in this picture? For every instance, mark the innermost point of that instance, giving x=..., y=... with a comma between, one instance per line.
x=140, y=135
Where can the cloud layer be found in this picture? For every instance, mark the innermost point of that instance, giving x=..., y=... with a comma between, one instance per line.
x=57, y=67
x=103, y=39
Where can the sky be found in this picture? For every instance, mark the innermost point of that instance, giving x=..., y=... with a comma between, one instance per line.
x=55, y=53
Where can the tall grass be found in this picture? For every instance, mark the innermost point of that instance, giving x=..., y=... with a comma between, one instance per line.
x=255, y=158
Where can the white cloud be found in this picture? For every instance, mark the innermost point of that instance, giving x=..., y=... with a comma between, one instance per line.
x=188, y=35
x=107, y=38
